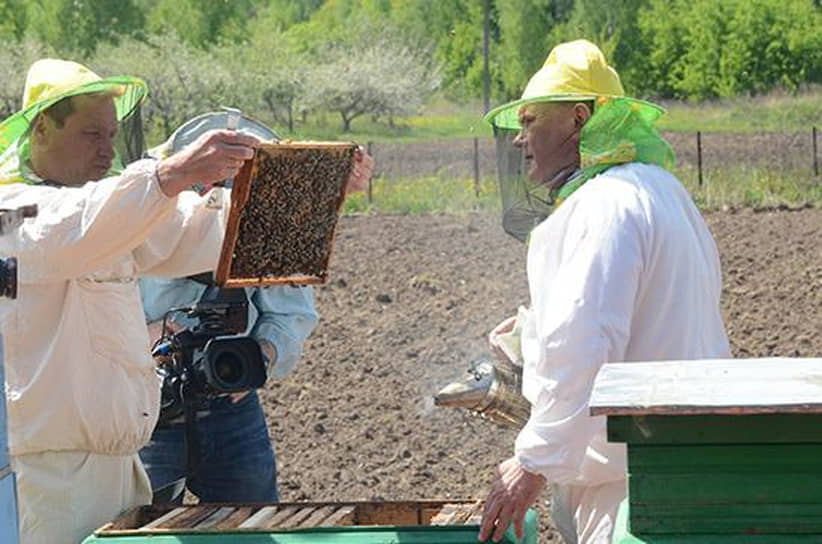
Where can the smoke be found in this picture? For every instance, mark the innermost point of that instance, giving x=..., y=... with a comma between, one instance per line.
x=453, y=366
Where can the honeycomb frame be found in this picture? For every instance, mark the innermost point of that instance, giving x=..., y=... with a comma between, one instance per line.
x=257, y=241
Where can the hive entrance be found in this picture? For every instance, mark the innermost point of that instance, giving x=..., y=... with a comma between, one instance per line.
x=284, y=210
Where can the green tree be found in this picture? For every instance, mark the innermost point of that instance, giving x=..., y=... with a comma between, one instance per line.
x=183, y=81
x=613, y=26
x=269, y=76
x=379, y=76
x=15, y=59
x=524, y=41
x=662, y=32
x=74, y=27
x=12, y=19
x=203, y=22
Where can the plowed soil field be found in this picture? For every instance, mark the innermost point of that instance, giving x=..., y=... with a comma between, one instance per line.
x=409, y=304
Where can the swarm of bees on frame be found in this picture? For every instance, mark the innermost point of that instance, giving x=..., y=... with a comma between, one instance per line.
x=287, y=226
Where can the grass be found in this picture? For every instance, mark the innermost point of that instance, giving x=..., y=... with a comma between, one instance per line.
x=425, y=195
x=722, y=188
x=439, y=120
x=738, y=186
x=776, y=112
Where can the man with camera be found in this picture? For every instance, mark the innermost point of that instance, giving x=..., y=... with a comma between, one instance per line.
x=220, y=446
x=212, y=438
x=83, y=394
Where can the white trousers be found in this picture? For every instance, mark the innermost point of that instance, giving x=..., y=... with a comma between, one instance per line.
x=586, y=515
x=64, y=496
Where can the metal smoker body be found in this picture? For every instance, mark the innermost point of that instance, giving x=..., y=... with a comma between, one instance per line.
x=492, y=389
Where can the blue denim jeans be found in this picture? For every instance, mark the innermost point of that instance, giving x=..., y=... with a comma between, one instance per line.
x=237, y=461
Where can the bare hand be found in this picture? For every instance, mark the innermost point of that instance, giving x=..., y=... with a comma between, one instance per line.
x=215, y=156
x=361, y=171
x=514, y=490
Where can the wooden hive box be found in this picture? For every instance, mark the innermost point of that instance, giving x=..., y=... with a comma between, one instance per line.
x=420, y=522
x=719, y=451
x=284, y=209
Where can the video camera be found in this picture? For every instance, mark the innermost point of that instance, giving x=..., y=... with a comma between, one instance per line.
x=10, y=220
x=208, y=360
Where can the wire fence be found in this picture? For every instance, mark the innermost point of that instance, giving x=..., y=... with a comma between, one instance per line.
x=699, y=153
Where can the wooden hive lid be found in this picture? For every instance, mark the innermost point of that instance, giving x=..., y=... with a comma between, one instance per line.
x=261, y=517
x=285, y=204
x=709, y=386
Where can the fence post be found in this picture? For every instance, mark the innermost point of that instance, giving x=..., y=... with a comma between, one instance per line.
x=370, y=195
x=476, y=167
x=699, y=155
x=815, y=155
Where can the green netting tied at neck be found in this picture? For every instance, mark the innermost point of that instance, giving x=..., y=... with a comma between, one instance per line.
x=620, y=131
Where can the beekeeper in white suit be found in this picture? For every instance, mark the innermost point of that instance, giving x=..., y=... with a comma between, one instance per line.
x=83, y=395
x=623, y=269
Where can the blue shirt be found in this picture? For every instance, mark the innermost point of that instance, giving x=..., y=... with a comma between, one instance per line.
x=282, y=315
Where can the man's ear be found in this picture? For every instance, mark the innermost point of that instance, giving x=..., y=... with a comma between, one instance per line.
x=581, y=114
x=41, y=129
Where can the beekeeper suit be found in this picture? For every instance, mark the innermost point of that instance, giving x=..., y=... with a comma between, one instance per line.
x=82, y=392
x=622, y=269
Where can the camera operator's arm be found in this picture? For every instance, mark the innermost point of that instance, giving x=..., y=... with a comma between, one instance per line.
x=286, y=318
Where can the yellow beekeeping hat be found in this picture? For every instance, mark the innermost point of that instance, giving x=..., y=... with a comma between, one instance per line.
x=50, y=80
x=574, y=71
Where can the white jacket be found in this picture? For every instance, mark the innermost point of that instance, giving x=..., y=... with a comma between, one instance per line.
x=78, y=371
x=624, y=270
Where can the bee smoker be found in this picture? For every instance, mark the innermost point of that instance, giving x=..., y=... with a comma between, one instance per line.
x=492, y=389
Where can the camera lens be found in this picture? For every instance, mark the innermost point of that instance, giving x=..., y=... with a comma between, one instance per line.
x=229, y=369
x=234, y=364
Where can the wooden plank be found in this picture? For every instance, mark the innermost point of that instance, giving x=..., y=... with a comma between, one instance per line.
x=476, y=514
x=710, y=386
x=219, y=515
x=716, y=429
x=260, y=517
x=192, y=517
x=239, y=515
x=319, y=516
x=394, y=513
x=445, y=515
x=294, y=521
x=284, y=513
x=165, y=518
x=344, y=515
x=135, y=517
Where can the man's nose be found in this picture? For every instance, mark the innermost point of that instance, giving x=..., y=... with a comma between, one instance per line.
x=106, y=149
x=519, y=139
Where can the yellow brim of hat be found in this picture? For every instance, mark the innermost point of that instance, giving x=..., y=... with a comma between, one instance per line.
x=506, y=116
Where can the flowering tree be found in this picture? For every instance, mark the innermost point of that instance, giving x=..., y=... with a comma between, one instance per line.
x=381, y=78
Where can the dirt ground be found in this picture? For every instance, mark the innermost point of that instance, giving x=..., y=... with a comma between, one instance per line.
x=408, y=306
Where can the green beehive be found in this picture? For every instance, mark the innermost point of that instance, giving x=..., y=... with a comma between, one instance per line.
x=409, y=522
x=719, y=451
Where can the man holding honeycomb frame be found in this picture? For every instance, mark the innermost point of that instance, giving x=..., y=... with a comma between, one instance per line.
x=83, y=395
